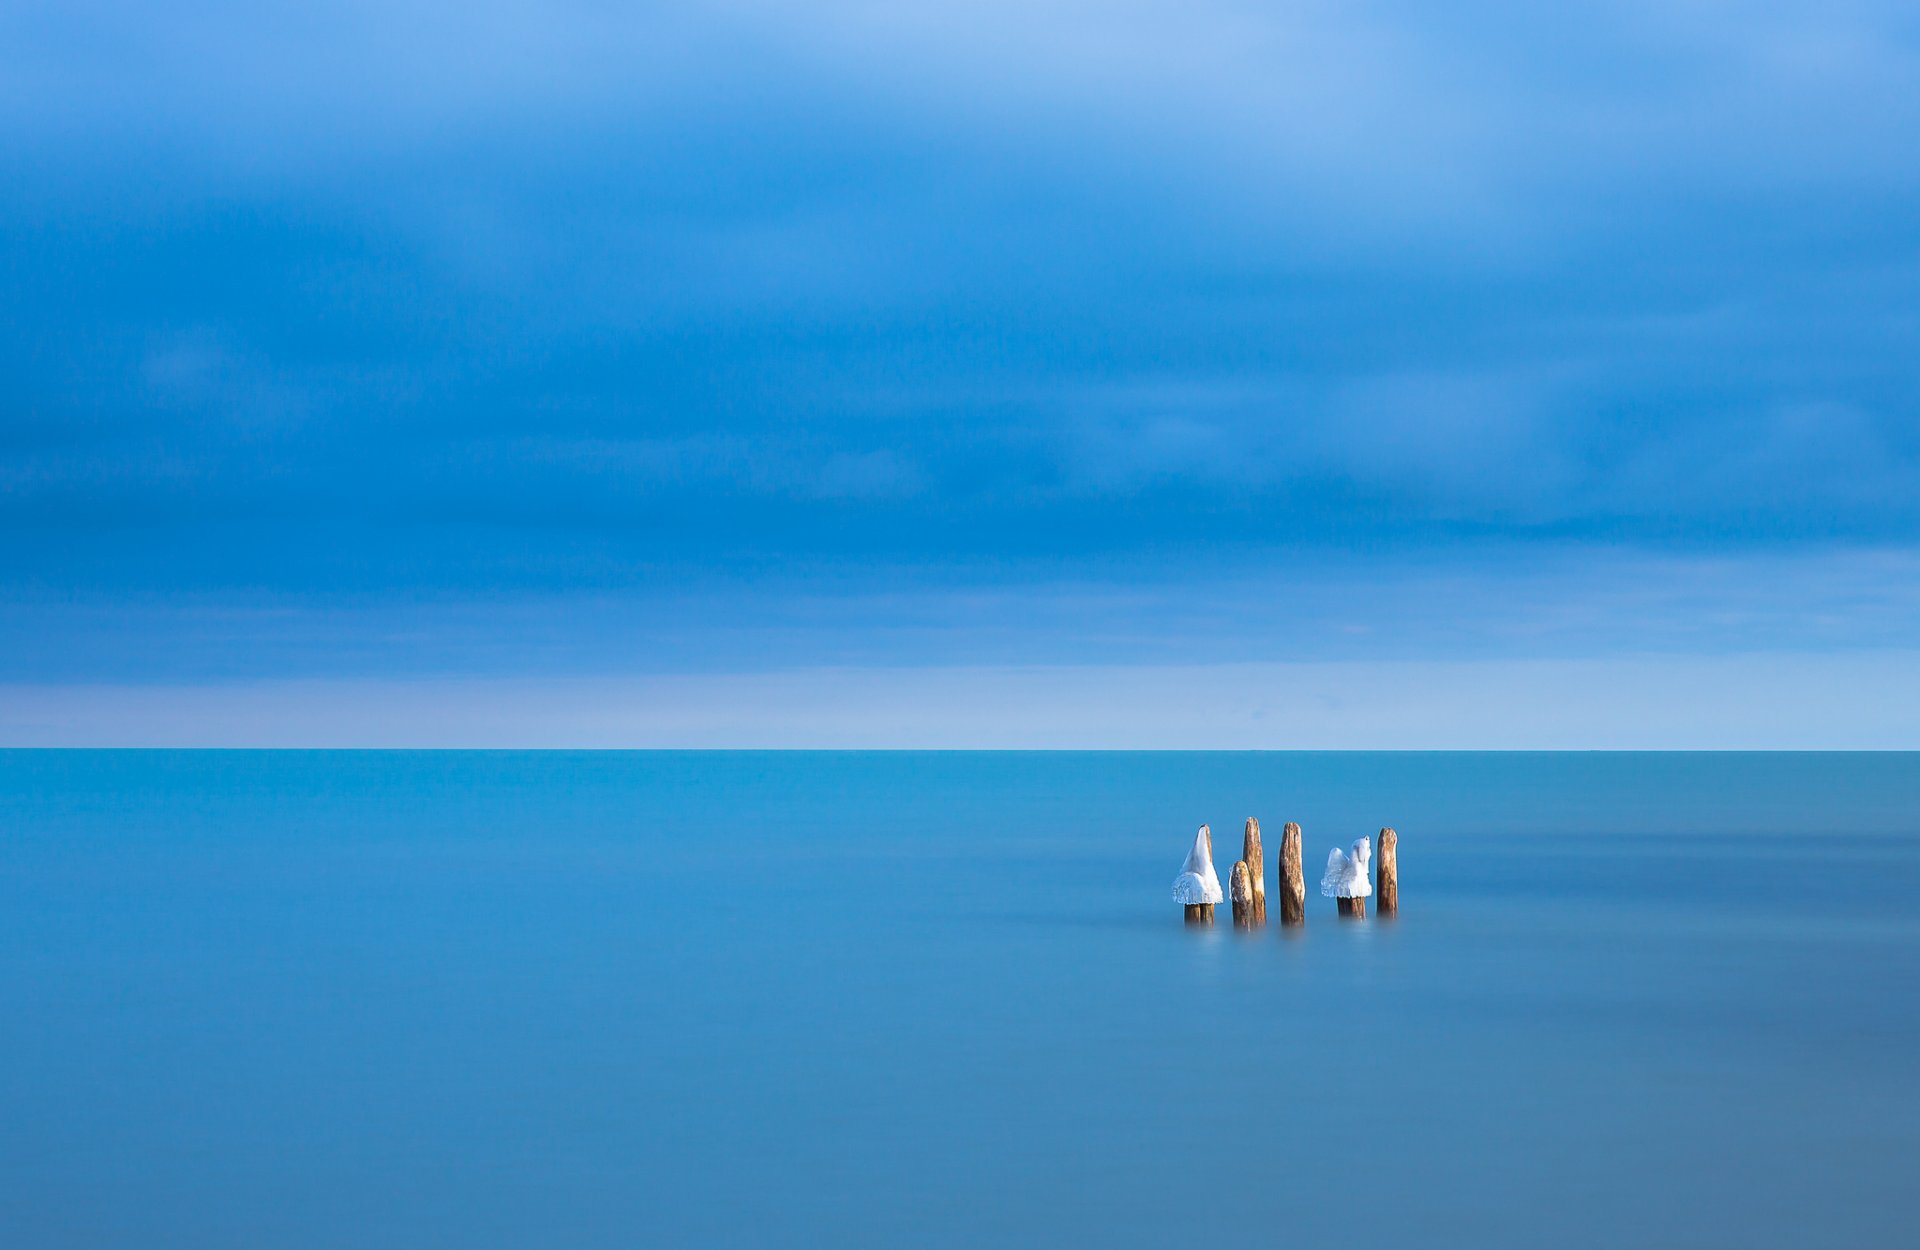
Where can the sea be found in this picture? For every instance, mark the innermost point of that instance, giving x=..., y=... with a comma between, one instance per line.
x=542, y=1000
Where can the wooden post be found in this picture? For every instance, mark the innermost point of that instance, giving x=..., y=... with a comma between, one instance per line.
x=1256, y=862
x=1293, y=882
x=1196, y=888
x=1353, y=908
x=1386, y=873
x=1240, y=890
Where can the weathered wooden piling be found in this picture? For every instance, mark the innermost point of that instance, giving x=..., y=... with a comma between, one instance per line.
x=1240, y=890
x=1202, y=913
x=1293, y=882
x=1196, y=888
x=1256, y=862
x=1386, y=873
x=1347, y=881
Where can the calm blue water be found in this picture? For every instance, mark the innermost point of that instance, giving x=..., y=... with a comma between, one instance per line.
x=930, y=1000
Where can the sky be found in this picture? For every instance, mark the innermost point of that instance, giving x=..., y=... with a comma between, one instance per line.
x=1040, y=373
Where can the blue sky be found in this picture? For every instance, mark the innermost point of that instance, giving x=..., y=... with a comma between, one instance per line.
x=415, y=348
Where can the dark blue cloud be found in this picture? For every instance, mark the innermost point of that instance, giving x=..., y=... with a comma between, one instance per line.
x=515, y=301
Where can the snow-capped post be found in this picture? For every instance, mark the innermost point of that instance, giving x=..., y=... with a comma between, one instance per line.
x=1240, y=890
x=1346, y=879
x=1256, y=862
x=1197, y=887
x=1386, y=874
x=1293, y=881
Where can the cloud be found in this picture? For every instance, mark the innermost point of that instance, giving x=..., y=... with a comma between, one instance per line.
x=530, y=300
x=1511, y=601
x=1745, y=702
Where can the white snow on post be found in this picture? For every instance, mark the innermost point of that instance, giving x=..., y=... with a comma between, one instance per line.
x=1197, y=882
x=1347, y=873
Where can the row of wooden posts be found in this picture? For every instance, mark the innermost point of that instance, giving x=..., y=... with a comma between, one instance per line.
x=1247, y=887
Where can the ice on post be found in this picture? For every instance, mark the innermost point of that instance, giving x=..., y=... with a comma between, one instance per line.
x=1346, y=877
x=1197, y=888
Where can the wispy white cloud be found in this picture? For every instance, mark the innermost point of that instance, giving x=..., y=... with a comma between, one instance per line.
x=1262, y=607
x=1863, y=701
